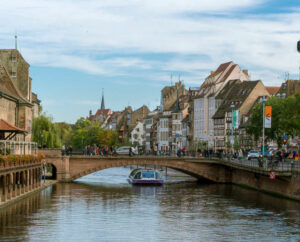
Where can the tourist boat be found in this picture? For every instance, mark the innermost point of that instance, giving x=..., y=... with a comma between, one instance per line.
x=145, y=176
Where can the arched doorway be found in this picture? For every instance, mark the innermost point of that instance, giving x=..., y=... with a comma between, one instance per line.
x=50, y=172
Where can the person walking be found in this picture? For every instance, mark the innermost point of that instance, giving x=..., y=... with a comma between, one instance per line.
x=91, y=150
x=63, y=150
x=70, y=150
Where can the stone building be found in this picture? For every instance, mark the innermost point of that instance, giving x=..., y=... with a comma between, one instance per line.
x=169, y=95
x=18, y=105
x=236, y=95
x=205, y=104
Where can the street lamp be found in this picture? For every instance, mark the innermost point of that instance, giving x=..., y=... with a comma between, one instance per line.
x=232, y=107
x=263, y=100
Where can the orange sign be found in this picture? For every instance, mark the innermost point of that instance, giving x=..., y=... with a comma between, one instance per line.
x=268, y=111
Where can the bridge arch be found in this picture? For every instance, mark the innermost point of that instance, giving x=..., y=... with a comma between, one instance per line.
x=206, y=171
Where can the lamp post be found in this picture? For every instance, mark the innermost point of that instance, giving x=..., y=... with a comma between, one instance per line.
x=263, y=100
x=231, y=141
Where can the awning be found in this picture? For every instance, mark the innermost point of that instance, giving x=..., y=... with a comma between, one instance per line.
x=6, y=127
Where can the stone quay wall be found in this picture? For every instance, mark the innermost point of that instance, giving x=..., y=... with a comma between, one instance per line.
x=18, y=178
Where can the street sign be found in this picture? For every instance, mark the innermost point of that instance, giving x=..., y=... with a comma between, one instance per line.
x=268, y=117
x=272, y=175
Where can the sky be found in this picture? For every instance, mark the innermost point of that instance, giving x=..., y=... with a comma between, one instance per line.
x=133, y=48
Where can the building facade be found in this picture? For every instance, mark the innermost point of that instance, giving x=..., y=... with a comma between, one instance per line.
x=205, y=104
x=18, y=105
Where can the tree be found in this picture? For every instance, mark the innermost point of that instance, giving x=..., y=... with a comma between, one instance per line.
x=64, y=131
x=90, y=133
x=45, y=133
x=285, y=119
x=79, y=136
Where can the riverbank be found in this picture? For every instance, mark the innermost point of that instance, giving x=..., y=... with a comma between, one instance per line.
x=44, y=184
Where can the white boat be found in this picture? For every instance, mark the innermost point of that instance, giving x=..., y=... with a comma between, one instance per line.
x=145, y=176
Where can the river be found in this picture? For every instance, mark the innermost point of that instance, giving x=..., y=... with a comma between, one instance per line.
x=104, y=207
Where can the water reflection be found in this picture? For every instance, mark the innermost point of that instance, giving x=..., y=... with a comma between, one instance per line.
x=97, y=208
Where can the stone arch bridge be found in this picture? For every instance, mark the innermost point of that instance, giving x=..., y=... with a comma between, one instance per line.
x=287, y=183
x=69, y=168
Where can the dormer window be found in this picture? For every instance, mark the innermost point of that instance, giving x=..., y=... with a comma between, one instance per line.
x=14, y=74
x=14, y=59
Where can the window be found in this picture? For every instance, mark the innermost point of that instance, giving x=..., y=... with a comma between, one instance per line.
x=14, y=59
x=14, y=74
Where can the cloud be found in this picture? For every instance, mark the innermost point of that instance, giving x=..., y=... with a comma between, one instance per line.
x=114, y=38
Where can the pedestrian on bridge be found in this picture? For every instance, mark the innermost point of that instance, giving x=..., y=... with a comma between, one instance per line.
x=63, y=150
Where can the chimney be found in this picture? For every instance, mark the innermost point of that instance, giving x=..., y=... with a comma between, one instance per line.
x=212, y=72
x=246, y=72
x=90, y=113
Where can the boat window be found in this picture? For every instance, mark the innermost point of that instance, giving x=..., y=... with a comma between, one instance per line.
x=148, y=174
x=158, y=175
x=134, y=171
x=137, y=175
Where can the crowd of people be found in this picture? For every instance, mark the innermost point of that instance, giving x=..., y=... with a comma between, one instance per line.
x=97, y=150
x=105, y=150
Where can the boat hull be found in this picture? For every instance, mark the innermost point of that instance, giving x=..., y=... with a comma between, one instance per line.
x=146, y=182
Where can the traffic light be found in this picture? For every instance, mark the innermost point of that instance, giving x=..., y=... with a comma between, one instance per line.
x=284, y=141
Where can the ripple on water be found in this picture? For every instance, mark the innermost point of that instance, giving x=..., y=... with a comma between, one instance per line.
x=104, y=207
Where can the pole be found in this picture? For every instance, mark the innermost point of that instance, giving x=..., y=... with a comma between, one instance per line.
x=263, y=130
x=232, y=141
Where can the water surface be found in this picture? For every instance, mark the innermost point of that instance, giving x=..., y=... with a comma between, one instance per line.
x=104, y=207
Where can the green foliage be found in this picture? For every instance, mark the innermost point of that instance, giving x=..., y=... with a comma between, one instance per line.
x=199, y=144
x=236, y=144
x=79, y=133
x=285, y=119
x=90, y=133
x=45, y=132
x=64, y=131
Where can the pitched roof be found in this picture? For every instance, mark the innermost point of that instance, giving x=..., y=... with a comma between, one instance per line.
x=7, y=127
x=272, y=90
x=104, y=112
x=223, y=66
x=7, y=86
x=227, y=73
x=235, y=91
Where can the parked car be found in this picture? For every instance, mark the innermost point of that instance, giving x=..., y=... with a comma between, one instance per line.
x=124, y=150
x=254, y=154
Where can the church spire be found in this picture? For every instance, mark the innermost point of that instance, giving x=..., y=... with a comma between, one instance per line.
x=16, y=41
x=102, y=101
